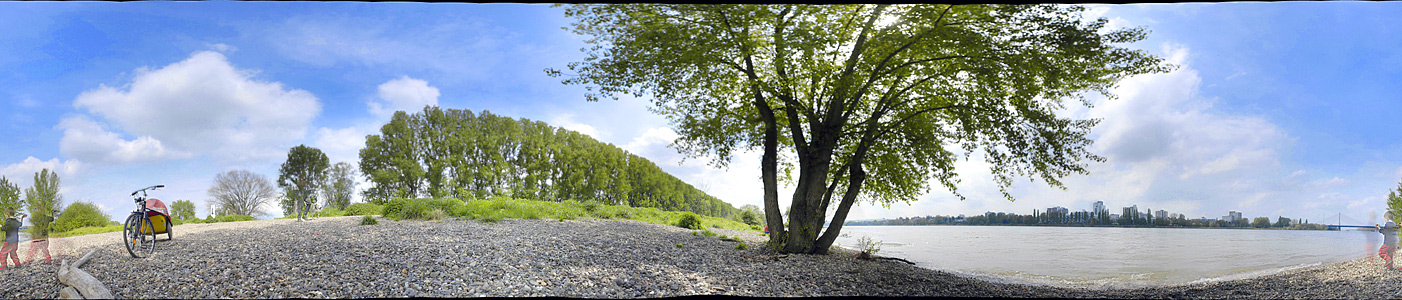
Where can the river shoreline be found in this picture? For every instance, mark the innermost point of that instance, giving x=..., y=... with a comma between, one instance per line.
x=335, y=258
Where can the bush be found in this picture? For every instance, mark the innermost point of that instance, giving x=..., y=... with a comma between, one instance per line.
x=690, y=221
x=749, y=217
x=708, y=233
x=417, y=209
x=742, y=246
x=592, y=206
x=329, y=211
x=393, y=207
x=368, y=220
x=363, y=209
x=868, y=247
x=80, y=214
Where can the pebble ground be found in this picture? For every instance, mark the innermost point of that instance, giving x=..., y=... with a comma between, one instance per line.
x=336, y=258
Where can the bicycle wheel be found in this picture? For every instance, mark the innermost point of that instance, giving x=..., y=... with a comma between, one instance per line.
x=131, y=234
x=148, y=237
x=139, y=245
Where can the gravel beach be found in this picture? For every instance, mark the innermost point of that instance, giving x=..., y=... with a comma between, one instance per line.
x=334, y=257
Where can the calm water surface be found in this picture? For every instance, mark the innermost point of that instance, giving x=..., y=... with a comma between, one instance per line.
x=1112, y=257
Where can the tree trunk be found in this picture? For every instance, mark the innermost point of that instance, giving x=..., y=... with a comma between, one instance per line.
x=806, y=214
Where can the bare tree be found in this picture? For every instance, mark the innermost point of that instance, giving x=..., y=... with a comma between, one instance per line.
x=240, y=192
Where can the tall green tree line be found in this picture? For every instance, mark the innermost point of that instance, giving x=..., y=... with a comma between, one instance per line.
x=458, y=153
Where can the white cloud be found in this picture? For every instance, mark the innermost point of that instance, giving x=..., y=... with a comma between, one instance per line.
x=221, y=47
x=22, y=173
x=654, y=142
x=1167, y=148
x=407, y=94
x=26, y=101
x=567, y=121
x=1331, y=182
x=85, y=140
x=1351, y=204
x=205, y=105
x=342, y=144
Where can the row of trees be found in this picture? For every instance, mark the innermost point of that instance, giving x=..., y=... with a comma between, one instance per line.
x=39, y=200
x=42, y=199
x=305, y=175
x=1143, y=220
x=456, y=153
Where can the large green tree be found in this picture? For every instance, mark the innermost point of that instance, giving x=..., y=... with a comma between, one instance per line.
x=10, y=196
x=301, y=176
x=1394, y=202
x=872, y=101
x=182, y=209
x=339, y=185
x=41, y=200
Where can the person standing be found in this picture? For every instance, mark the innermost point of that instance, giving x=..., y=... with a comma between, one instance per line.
x=11, y=247
x=1389, y=247
x=42, y=242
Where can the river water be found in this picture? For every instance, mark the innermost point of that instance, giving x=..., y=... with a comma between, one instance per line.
x=1107, y=257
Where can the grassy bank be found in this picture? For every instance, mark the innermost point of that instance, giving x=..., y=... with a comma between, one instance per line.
x=112, y=228
x=488, y=210
x=500, y=208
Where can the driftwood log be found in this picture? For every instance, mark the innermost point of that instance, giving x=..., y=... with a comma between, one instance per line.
x=892, y=258
x=80, y=281
x=69, y=292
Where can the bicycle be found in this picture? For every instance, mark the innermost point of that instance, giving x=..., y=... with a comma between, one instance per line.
x=143, y=224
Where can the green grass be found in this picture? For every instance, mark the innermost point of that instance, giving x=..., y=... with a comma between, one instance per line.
x=118, y=226
x=89, y=230
x=501, y=208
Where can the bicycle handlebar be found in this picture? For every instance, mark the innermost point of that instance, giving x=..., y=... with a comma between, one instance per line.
x=148, y=188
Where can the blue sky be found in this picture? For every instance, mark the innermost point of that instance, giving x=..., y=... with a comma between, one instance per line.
x=1277, y=108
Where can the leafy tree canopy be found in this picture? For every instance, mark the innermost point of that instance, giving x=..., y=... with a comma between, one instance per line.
x=301, y=175
x=873, y=101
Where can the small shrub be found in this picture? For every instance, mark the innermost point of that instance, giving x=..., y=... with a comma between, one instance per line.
x=742, y=246
x=329, y=211
x=393, y=207
x=679, y=245
x=80, y=214
x=417, y=209
x=868, y=247
x=708, y=233
x=368, y=220
x=591, y=206
x=363, y=209
x=749, y=217
x=690, y=220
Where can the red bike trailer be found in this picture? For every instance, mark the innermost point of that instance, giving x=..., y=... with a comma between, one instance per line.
x=159, y=216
